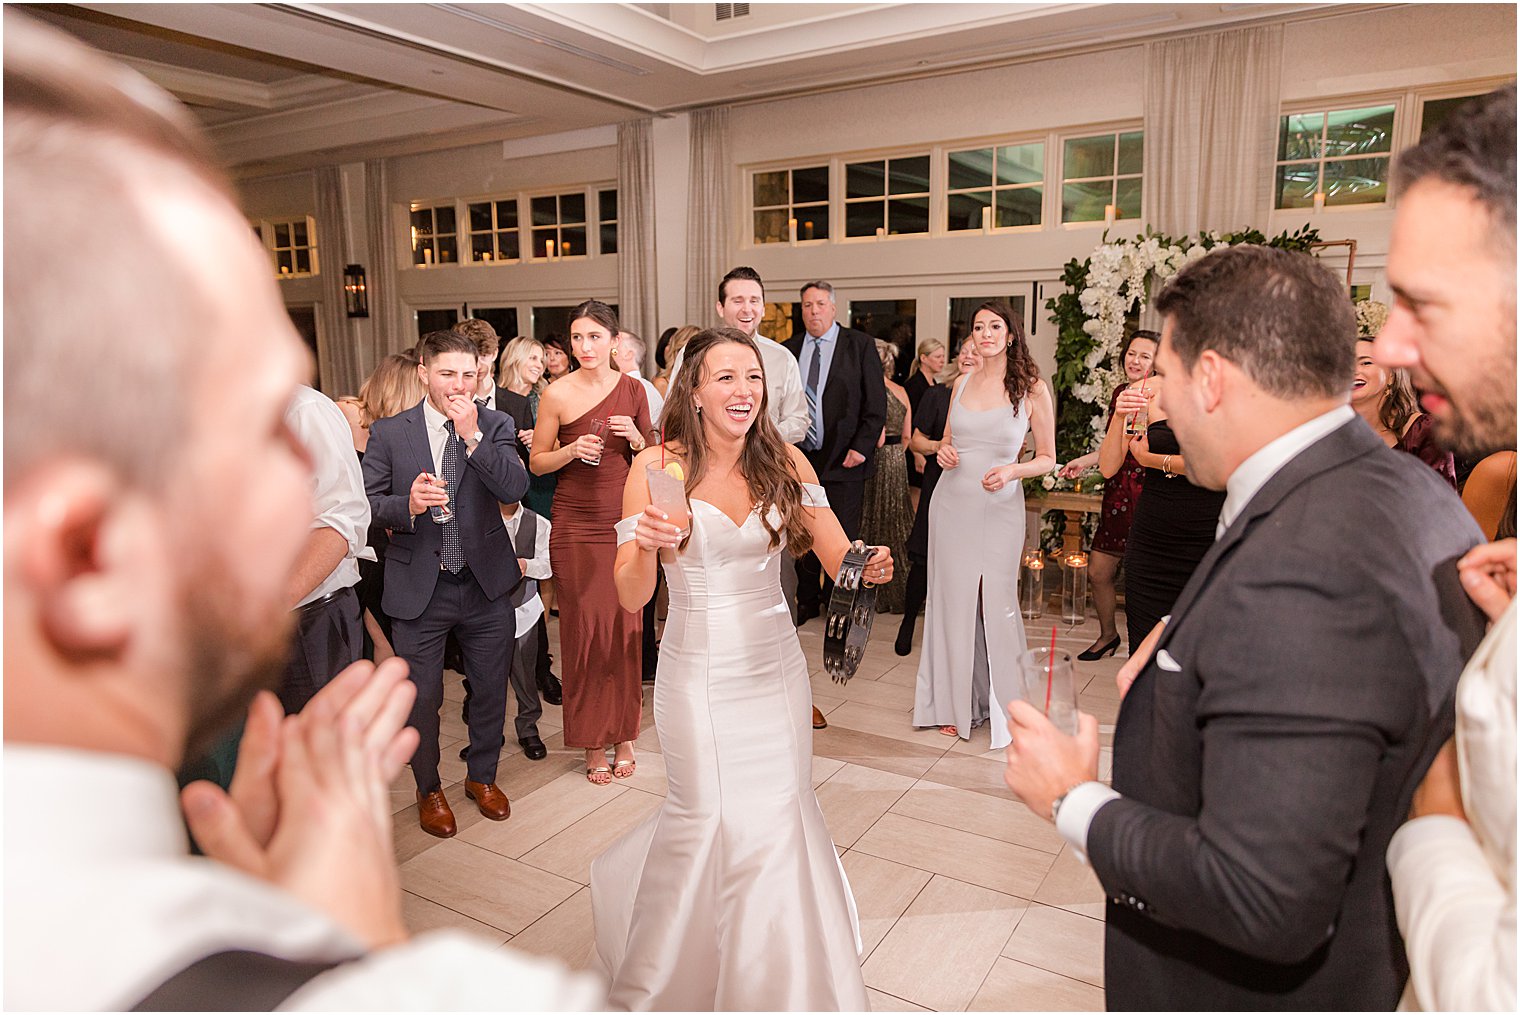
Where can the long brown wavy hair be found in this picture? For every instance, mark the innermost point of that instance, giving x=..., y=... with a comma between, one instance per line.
x=1020, y=372
x=765, y=462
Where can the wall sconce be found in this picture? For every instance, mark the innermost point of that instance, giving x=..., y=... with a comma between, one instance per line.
x=355, y=294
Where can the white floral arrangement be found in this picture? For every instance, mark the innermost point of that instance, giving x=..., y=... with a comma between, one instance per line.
x=1371, y=315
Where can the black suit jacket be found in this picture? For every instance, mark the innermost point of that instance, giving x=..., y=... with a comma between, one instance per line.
x=854, y=404
x=1268, y=750
x=398, y=450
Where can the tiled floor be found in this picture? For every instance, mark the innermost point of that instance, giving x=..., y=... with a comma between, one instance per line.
x=967, y=900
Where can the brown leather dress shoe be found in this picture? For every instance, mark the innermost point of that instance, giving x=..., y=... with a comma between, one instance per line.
x=493, y=803
x=434, y=816
x=819, y=722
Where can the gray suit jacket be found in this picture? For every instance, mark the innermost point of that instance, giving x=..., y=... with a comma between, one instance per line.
x=1268, y=750
x=398, y=449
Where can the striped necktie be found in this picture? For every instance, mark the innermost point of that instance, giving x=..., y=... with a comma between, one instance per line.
x=814, y=439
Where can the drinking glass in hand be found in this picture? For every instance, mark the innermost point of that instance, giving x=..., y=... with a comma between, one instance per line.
x=442, y=513
x=1050, y=686
x=668, y=493
x=599, y=431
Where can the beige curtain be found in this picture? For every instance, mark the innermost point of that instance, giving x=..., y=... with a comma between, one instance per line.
x=391, y=330
x=1211, y=111
x=707, y=254
x=636, y=244
x=341, y=371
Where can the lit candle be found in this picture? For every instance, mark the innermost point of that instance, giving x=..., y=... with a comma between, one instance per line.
x=808, y=228
x=880, y=232
x=549, y=249
x=485, y=255
x=791, y=230
x=427, y=254
x=1074, y=587
x=1319, y=201
x=1109, y=212
x=987, y=219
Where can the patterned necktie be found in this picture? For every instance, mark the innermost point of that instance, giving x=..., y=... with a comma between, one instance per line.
x=453, y=457
x=814, y=439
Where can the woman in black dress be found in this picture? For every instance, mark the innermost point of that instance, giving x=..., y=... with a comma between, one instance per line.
x=928, y=430
x=1173, y=525
x=927, y=367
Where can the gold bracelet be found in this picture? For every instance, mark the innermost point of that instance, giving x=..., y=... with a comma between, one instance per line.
x=1166, y=467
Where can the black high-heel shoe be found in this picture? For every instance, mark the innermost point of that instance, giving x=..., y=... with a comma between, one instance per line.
x=1106, y=649
x=904, y=643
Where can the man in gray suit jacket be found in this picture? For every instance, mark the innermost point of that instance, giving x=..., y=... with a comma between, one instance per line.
x=1274, y=727
x=453, y=576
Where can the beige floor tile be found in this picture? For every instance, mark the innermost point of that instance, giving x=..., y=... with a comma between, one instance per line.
x=569, y=853
x=896, y=723
x=882, y=890
x=423, y=915
x=1061, y=942
x=904, y=674
x=975, y=859
x=484, y=886
x=872, y=751
x=976, y=773
x=855, y=797
x=825, y=703
x=1014, y=986
x=540, y=815
x=409, y=838
x=648, y=775
x=997, y=818
x=1072, y=885
x=869, y=692
x=886, y=1002
x=564, y=933
x=941, y=949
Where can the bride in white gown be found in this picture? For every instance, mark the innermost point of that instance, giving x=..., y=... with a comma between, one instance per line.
x=731, y=895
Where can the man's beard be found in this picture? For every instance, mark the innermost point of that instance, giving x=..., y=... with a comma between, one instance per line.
x=1478, y=428
x=230, y=657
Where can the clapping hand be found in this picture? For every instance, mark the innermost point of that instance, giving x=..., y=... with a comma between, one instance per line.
x=309, y=809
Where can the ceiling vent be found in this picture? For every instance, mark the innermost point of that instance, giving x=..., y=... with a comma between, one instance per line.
x=727, y=12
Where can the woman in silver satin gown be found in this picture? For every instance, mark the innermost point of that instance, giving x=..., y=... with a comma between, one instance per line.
x=731, y=895
x=973, y=635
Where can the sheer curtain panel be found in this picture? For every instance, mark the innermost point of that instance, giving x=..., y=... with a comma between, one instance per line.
x=636, y=243
x=707, y=253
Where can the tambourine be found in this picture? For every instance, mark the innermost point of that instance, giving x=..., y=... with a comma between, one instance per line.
x=852, y=610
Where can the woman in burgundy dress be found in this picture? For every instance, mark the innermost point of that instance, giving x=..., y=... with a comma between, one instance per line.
x=1123, y=479
x=1386, y=400
x=590, y=425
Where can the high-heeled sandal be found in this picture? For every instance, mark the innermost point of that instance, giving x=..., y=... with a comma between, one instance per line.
x=1106, y=649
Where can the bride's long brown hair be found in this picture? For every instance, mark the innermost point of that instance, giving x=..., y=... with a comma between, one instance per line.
x=764, y=462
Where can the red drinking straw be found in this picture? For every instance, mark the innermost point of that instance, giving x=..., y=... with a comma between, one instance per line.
x=660, y=434
x=1050, y=669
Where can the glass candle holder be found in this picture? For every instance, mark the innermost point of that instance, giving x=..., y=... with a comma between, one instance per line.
x=1032, y=585
x=1074, y=587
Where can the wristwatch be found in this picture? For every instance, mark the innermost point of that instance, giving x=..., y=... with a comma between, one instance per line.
x=1055, y=805
x=473, y=440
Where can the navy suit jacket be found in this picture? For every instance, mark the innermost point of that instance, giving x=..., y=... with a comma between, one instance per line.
x=854, y=404
x=398, y=450
x=1268, y=750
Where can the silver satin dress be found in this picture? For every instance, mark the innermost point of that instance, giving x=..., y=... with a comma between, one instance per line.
x=969, y=668
x=731, y=896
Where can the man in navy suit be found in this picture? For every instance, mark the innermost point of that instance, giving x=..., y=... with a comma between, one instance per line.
x=847, y=407
x=455, y=575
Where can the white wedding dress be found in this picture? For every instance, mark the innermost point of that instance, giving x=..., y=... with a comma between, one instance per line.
x=731, y=896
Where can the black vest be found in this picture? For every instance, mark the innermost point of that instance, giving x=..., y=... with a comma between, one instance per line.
x=524, y=545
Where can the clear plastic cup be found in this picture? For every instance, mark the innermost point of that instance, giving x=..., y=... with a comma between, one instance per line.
x=668, y=494
x=599, y=431
x=1050, y=685
x=441, y=513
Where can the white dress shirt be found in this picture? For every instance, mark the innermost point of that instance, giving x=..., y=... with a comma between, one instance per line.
x=1454, y=881
x=103, y=904
x=538, y=566
x=490, y=399
x=825, y=343
x=656, y=400
x=785, y=401
x=1082, y=804
x=337, y=491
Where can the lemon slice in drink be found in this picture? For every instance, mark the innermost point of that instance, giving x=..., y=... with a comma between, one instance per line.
x=674, y=470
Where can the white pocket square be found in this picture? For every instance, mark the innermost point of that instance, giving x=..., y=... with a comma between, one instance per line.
x=1165, y=661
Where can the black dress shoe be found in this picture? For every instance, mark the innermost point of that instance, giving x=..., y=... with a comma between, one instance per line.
x=1106, y=649
x=904, y=643
x=551, y=690
x=534, y=748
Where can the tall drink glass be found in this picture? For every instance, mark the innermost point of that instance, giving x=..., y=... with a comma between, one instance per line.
x=1050, y=685
x=668, y=494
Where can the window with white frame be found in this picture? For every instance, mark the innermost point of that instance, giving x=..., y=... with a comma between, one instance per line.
x=292, y=245
x=1100, y=172
x=494, y=232
x=1334, y=157
x=559, y=225
x=887, y=196
x=435, y=235
x=1434, y=111
x=607, y=220
x=999, y=187
x=784, y=197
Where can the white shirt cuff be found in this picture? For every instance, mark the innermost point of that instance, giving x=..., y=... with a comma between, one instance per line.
x=1077, y=812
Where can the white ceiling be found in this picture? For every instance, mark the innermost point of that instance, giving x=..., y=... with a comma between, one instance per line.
x=286, y=86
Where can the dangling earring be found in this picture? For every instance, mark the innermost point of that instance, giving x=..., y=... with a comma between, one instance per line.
x=694, y=405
